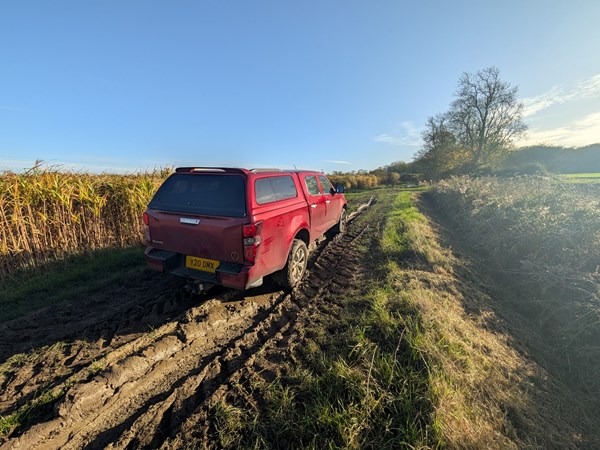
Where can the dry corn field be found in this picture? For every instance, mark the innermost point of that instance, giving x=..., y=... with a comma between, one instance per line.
x=46, y=215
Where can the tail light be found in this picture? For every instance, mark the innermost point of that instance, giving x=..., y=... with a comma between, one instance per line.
x=146, y=219
x=251, y=241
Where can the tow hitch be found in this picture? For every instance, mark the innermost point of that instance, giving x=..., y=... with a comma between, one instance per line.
x=194, y=287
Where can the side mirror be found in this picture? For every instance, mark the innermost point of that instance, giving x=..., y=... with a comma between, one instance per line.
x=332, y=191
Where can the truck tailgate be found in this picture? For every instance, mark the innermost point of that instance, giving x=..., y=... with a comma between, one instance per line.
x=215, y=238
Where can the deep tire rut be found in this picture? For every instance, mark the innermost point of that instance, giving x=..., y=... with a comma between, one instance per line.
x=155, y=388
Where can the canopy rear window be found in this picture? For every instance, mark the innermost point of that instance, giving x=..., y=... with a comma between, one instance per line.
x=215, y=195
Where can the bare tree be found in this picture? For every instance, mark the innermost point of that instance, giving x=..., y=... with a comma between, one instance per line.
x=486, y=116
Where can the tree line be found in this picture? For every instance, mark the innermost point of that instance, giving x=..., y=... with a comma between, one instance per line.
x=396, y=173
x=477, y=134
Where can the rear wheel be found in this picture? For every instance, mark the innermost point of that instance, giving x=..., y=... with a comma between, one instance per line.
x=341, y=225
x=295, y=267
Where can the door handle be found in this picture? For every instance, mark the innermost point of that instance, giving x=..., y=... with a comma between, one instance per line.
x=328, y=201
x=314, y=205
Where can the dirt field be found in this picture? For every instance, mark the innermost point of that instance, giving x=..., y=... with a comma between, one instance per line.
x=139, y=365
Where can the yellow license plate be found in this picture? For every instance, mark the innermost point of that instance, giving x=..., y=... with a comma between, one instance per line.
x=207, y=265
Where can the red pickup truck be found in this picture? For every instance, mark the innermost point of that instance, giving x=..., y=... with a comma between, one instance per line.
x=233, y=227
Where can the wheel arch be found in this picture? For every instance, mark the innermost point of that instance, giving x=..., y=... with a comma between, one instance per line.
x=303, y=235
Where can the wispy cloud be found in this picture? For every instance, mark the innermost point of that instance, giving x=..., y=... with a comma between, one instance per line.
x=18, y=164
x=407, y=134
x=579, y=132
x=585, y=89
x=10, y=108
x=335, y=161
x=23, y=164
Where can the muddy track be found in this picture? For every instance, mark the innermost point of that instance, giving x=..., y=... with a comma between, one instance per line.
x=333, y=274
x=146, y=365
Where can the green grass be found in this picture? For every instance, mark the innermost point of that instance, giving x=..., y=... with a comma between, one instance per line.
x=400, y=365
x=39, y=405
x=356, y=197
x=395, y=237
x=72, y=278
x=581, y=175
x=584, y=178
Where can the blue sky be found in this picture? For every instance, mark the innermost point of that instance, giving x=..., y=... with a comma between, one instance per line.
x=331, y=85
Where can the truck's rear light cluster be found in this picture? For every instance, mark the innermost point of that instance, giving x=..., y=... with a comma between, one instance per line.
x=146, y=218
x=251, y=241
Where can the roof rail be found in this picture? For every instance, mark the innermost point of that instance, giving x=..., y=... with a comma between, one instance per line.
x=210, y=169
x=265, y=169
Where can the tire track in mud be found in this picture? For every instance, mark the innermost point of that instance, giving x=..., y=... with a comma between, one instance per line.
x=153, y=386
x=104, y=314
x=46, y=348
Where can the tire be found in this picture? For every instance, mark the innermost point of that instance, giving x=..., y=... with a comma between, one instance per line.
x=340, y=227
x=294, y=269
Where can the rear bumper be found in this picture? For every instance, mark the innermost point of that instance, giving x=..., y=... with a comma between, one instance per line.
x=235, y=276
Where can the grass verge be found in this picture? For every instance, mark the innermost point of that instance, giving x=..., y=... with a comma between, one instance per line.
x=74, y=277
x=357, y=197
x=484, y=392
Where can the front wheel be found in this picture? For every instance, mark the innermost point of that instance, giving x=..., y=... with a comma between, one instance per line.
x=295, y=267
